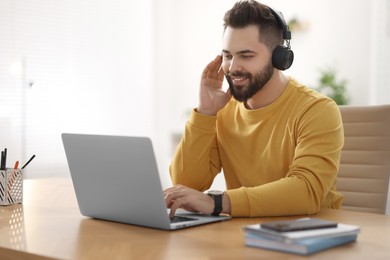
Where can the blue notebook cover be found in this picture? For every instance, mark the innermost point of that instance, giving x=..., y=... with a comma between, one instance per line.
x=257, y=230
x=305, y=246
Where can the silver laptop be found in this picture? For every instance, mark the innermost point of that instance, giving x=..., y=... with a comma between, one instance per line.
x=116, y=178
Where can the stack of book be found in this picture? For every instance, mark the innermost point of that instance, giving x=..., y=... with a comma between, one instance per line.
x=302, y=236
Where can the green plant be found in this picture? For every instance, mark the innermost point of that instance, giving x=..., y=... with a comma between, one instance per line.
x=293, y=23
x=332, y=87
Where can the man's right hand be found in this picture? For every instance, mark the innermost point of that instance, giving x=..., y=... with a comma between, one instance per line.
x=212, y=98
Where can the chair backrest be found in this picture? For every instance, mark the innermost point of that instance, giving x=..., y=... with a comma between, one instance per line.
x=365, y=159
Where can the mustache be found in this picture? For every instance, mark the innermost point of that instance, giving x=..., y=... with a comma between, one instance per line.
x=238, y=74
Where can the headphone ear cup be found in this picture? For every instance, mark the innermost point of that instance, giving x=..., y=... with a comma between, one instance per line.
x=282, y=57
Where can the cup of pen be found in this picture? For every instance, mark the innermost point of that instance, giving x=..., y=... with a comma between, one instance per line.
x=11, y=186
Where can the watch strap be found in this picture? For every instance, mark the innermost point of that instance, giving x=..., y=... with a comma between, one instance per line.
x=217, y=203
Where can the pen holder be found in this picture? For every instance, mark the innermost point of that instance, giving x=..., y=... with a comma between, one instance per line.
x=11, y=186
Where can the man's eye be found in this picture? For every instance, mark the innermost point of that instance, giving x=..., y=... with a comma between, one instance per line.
x=246, y=56
x=228, y=57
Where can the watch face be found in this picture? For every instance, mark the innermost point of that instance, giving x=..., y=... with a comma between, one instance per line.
x=215, y=192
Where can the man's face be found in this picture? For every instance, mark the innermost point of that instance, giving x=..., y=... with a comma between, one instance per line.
x=246, y=62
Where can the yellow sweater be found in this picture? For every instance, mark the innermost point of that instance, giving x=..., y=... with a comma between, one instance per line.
x=279, y=160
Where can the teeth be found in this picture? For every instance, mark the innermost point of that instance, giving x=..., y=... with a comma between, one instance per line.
x=238, y=78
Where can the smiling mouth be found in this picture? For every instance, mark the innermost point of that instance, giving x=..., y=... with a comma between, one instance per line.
x=239, y=80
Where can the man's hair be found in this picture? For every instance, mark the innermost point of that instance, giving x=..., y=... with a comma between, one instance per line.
x=250, y=12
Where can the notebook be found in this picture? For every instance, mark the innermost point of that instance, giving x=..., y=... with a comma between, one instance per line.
x=116, y=178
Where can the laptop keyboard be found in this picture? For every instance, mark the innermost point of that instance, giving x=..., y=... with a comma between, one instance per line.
x=177, y=219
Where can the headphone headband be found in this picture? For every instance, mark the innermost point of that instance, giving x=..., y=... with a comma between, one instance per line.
x=280, y=18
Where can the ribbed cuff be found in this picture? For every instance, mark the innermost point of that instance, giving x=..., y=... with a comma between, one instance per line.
x=202, y=121
x=239, y=203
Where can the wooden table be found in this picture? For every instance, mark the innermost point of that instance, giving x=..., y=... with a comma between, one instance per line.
x=48, y=225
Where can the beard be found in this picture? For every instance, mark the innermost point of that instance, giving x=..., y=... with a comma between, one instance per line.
x=256, y=83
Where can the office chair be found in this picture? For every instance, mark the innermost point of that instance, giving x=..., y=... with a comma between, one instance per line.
x=364, y=172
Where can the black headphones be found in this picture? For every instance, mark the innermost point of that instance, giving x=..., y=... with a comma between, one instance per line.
x=282, y=56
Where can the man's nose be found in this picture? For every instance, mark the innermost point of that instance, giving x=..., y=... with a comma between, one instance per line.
x=234, y=65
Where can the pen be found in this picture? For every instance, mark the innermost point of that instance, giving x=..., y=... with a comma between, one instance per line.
x=2, y=167
x=32, y=157
x=1, y=164
x=5, y=159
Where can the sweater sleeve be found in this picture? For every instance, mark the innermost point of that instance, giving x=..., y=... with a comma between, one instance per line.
x=309, y=183
x=196, y=160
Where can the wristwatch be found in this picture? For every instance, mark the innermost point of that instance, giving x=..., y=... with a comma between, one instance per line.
x=217, y=196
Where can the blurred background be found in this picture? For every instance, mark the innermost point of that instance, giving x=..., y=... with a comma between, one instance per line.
x=124, y=67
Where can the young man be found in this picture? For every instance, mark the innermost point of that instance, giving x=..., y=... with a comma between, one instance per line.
x=278, y=142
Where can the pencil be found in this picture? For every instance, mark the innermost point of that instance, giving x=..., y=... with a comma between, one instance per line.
x=16, y=165
x=32, y=157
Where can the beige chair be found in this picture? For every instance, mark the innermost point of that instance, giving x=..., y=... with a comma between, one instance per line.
x=365, y=159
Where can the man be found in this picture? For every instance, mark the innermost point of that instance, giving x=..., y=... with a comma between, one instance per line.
x=278, y=142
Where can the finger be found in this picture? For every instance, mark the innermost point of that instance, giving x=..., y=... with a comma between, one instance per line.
x=221, y=74
x=170, y=189
x=168, y=198
x=213, y=68
x=175, y=205
x=172, y=213
x=168, y=202
x=207, y=69
x=216, y=70
x=173, y=194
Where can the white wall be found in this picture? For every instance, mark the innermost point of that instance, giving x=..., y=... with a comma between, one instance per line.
x=380, y=55
x=92, y=64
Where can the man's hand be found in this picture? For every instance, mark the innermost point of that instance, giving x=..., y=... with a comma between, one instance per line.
x=212, y=98
x=180, y=196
